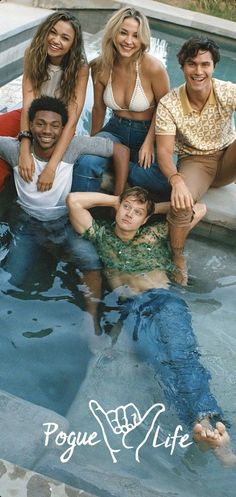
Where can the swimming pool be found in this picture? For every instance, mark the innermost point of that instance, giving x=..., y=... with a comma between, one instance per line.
x=51, y=357
x=175, y=36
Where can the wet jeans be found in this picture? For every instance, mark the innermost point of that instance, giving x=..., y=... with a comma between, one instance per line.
x=88, y=169
x=33, y=239
x=160, y=323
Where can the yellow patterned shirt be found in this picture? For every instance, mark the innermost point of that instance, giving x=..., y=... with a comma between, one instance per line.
x=199, y=133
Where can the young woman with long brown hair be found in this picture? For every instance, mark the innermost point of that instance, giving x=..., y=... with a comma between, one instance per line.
x=54, y=65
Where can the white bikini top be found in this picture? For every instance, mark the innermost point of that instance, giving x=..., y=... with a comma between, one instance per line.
x=138, y=102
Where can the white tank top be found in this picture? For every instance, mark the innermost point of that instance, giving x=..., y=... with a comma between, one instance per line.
x=51, y=87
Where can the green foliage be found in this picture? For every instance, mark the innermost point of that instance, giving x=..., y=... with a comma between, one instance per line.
x=219, y=8
x=208, y=4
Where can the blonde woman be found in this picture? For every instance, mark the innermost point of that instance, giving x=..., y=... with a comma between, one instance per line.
x=54, y=65
x=130, y=82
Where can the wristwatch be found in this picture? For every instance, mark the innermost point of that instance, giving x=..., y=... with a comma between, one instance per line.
x=24, y=134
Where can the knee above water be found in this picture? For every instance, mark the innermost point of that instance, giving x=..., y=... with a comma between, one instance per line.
x=90, y=165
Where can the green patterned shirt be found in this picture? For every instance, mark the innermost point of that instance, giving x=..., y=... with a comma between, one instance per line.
x=147, y=251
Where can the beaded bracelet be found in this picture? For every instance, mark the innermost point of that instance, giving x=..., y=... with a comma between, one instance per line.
x=24, y=134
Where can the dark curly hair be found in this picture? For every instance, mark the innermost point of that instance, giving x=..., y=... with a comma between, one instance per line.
x=48, y=103
x=191, y=47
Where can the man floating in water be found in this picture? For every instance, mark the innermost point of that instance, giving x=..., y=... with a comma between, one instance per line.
x=136, y=261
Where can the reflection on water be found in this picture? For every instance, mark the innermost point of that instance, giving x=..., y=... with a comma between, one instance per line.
x=51, y=356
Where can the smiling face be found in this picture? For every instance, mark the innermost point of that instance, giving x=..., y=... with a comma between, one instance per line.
x=126, y=41
x=130, y=215
x=198, y=71
x=59, y=41
x=46, y=129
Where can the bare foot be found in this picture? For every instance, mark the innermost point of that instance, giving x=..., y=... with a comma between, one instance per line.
x=216, y=439
x=180, y=273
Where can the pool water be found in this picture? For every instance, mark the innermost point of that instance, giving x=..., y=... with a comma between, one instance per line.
x=51, y=356
x=175, y=36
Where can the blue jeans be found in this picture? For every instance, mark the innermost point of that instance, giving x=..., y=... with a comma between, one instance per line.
x=160, y=323
x=88, y=169
x=33, y=239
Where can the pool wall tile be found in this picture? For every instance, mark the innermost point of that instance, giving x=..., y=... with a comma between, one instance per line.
x=219, y=223
x=22, y=436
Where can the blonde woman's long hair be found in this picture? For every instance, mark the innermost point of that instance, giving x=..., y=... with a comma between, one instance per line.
x=37, y=60
x=108, y=55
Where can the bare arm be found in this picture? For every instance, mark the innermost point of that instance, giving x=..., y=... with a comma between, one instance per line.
x=121, y=166
x=181, y=198
x=99, y=108
x=160, y=85
x=146, y=152
x=26, y=163
x=165, y=151
x=78, y=204
x=120, y=152
x=74, y=111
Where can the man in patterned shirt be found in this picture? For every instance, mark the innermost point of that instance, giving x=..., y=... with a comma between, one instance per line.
x=196, y=121
x=156, y=320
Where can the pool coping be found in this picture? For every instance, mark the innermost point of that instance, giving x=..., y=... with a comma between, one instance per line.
x=156, y=10
x=151, y=8
x=19, y=16
x=185, y=17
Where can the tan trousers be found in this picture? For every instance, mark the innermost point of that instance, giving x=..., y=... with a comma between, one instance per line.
x=200, y=172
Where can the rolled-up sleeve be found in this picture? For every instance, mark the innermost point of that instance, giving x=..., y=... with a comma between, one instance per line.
x=9, y=150
x=88, y=145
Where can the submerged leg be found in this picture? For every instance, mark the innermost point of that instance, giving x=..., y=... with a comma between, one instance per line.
x=93, y=281
x=177, y=239
x=164, y=336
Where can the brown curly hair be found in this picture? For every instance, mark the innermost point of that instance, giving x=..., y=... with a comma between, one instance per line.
x=37, y=60
x=141, y=195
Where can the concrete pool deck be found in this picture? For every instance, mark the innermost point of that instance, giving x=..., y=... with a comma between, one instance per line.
x=20, y=482
x=20, y=23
